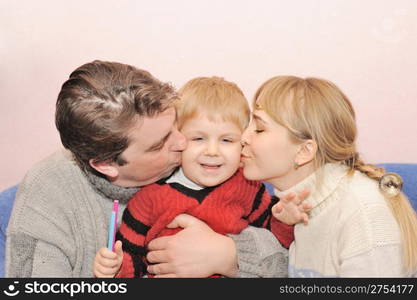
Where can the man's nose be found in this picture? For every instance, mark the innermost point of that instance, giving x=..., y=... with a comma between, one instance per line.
x=180, y=142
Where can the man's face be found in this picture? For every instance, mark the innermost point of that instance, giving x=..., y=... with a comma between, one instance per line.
x=154, y=150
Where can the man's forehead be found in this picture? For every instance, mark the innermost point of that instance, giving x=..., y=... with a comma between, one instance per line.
x=147, y=131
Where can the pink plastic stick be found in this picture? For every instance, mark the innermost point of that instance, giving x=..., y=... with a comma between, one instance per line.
x=115, y=209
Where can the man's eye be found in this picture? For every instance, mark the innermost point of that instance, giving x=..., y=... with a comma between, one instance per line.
x=158, y=148
x=259, y=130
x=197, y=138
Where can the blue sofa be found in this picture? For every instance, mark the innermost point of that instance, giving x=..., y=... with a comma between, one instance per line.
x=407, y=171
x=6, y=204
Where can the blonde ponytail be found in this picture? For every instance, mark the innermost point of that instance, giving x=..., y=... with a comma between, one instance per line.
x=390, y=185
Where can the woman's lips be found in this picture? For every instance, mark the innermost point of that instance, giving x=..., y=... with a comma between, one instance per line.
x=244, y=157
x=244, y=160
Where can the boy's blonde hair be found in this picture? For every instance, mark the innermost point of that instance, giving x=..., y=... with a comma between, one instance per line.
x=316, y=109
x=215, y=97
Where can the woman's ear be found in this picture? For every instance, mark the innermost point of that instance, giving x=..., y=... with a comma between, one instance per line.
x=306, y=153
x=106, y=168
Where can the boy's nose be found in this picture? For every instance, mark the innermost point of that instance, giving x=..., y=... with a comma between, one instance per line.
x=212, y=149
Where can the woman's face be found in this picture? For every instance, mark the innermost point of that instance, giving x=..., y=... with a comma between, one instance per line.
x=268, y=153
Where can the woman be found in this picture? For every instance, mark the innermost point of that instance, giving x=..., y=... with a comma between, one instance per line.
x=303, y=136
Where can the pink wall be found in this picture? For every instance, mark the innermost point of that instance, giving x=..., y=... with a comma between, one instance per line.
x=368, y=48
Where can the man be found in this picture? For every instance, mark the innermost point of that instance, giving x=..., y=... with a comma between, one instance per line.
x=117, y=123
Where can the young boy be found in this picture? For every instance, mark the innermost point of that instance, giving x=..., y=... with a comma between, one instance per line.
x=212, y=115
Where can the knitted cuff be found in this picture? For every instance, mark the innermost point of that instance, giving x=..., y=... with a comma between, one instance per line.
x=259, y=254
x=247, y=255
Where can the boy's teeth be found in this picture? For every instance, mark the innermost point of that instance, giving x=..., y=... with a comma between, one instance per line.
x=210, y=166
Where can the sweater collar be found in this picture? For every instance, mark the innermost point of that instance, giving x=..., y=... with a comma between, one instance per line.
x=180, y=177
x=330, y=174
x=109, y=190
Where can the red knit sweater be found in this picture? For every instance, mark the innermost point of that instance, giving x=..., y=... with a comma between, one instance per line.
x=227, y=208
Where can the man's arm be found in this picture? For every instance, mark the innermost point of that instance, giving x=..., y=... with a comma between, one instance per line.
x=39, y=239
x=259, y=254
x=31, y=256
x=27, y=257
x=253, y=253
x=195, y=251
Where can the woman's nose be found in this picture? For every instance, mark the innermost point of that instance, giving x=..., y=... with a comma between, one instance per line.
x=245, y=138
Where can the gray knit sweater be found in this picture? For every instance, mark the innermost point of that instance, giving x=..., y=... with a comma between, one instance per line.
x=60, y=219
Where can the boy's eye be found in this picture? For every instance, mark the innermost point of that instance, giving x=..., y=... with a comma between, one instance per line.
x=197, y=138
x=227, y=140
x=259, y=130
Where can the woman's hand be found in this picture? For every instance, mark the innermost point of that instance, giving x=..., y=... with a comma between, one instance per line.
x=195, y=251
x=291, y=209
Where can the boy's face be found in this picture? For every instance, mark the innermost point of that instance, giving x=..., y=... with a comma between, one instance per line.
x=213, y=152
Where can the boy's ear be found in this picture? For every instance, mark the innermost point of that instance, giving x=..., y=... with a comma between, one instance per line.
x=306, y=153
x=106, y=168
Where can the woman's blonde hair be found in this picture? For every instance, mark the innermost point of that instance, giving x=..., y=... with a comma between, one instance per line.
x=215, y=97
x=317, y=109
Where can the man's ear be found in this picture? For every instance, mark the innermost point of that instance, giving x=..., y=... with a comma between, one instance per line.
x=306, y=153
x=106, y=168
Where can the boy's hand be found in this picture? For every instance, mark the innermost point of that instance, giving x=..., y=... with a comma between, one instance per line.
x=107, y=263
x=291, y=209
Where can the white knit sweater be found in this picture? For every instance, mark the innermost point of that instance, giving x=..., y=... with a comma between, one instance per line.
x=351, y=231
